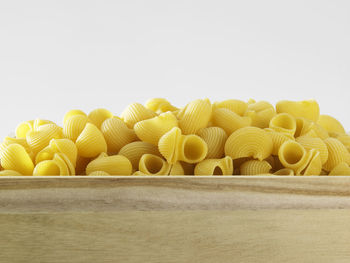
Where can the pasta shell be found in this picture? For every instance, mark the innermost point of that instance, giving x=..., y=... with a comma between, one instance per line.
x=316, y=130
x=70, y=166
x=215, y=138
x=284, y=171
x=23, y=128
x=151, y=130
x=72, y=113
x=249, y=142
x=337, y=153
x=302, y=126
x=117, y=134
x=310, y=143
x=9, y=140
x=237, y=106
x=229, y=120
x=340, y=169
x=192, y=149
x=40, y=122
x=222, y=166
x=14, y=157
x=278, y=139
x=113, y=165
x=260, y=113
x=293, y=155
x=99, y=173
x=45, y=154
x=177, y=169
x=196, y=115
x=153, y=165
x=73, y=126
x=9, y=173
x=315, y=165
x=308, y=109
x=284, y=123
x=47, y=168
x=91, y=142
x=169, y=144
x=254, y=167
x=134, y=151
x=62, y=165
x=66, y=147
x=98, y=116
x=330, y=124
x=160, y=105
x=345, y=140
x=136, y=112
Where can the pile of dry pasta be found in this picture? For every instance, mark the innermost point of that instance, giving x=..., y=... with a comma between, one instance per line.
x=230, y=137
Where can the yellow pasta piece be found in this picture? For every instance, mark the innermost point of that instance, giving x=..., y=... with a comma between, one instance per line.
x=177, y=147
x=229, y=120
x=293, y=155
x=40, y=122
x=337, y=153
x=160, y=105
x=195, y=116
x=98, y=173
x=153, y=165
x=260, y=113
x=151, y=130
x=254, y=167
x=23, y=128
x=188, y=168
x=308, y=109
x=249, y=142
x=316, y=130
x=62, y=165
x=72, y=113
x=345, y=140
x=284, y=123
x=222, y=166
x=215, y=138
x=136, y=112
x=284, y=171
x=70, y=166
x=134, y=151
x=98, y=116
x=237, y=106
x=278, y=139
x=177, y=169
x=117, y=134
x=315, y=165
x=82, y=162
x=310, y=143
x=340, y=169
x=302, y=126
x=330, y=124
x=47, y=168
x=10, y=140
x=73, y=126
x=113, y=165
x=91, y=142
x=9, y=173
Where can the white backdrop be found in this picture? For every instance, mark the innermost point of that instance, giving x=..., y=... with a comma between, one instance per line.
x=59, y=55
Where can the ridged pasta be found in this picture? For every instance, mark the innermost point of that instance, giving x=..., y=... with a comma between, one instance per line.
x=284, y=171
x=215, y=138
x=160, y=105
x=254, y=167
x=73, y=126
x=315, y=165
x=177, y=147
x=308, y=109
x=98, y=116
x=15, y=157
x=237, y=106
x=153, y=165
x=345, y=140
x=293, y=155
x=38, y=123
x=98, y=173
x=117, y=134
x=284, y=123
x=91, y=142
x=10, y=140
x=340, y=169
x=195, y=116
x=229, y=120
x=9, y=173
x=72, y=113
x=23, y=128
x=249, y=142
x=134, y=151
x=222, y=166
x=337, y=153
x=260, y=113
x=47, y=168
x=316, y=130
x=113, y=165
x=278, y=139
x=151, y=130
x=302, y=126
x=136, y=112
x=310, y=143
x=177, y=169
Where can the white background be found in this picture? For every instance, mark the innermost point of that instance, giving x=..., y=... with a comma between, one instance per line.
x=59, y=55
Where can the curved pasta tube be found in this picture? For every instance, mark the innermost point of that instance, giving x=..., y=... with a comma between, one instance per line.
x=315, y=165
x=169, y=144
x=136, y=112
x=10, y=140
x=134, y=151
x=340, y=169
x=98, y=173
x=73, y=126
x=237, y=106
x=302, y=126
x=316, y=130
x=117, y=134
x=9, y=173
x=249, y=142
x=23, y=128
x=284, y=171
x=151, y=130
x=278, y=139
x=47, y=168
x=229, y=120
x=91, y=142
x=113, y=165
x=153, y=165
x=177, y=169
x=260, y=113
x=160, y=105
x=308, y=109
x=345, y=140
x=72, y=113
x=330, y=124
x=310, y=143
x=98, y=116
x=215, y=138
x=284, y=123
x=222, y=166
x=337, y=153
x=196, y=115
x=293, y=155
x=254, y=167
x=65, y=146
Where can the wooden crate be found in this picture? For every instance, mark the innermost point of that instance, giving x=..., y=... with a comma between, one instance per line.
x=175, y=219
